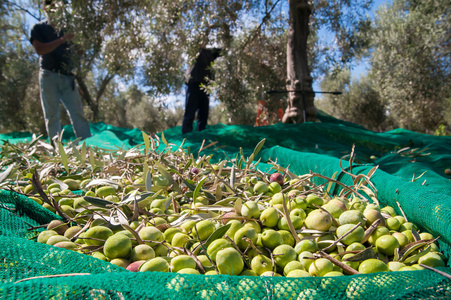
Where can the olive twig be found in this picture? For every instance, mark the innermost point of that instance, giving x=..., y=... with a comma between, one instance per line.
x=338, y=263
x=343, y=236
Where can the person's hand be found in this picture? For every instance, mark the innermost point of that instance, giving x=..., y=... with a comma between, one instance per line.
x=290, y=113
x=68, y=36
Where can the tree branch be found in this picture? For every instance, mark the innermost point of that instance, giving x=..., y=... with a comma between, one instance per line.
x=265, y=18
x=22, y=9
x=103, y=86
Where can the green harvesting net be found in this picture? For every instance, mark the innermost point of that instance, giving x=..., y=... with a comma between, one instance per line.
x=410, y=178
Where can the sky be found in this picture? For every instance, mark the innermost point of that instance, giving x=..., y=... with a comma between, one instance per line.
x=361, y=67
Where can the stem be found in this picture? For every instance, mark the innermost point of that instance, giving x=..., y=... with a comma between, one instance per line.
x=370, y=230
x=52, y=276
x=287, y=216
x=234, y=245
x=220, y=179
x=252, y=245
x=198, y=263
x=436, y=271
x=338, y=263
x=340, y=184
x=344, y=235
x=272, y=261
x=333, y=219
x=403, y=214
x=135, y=234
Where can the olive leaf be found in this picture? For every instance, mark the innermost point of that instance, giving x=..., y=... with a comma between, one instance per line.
x=163, y=172
x=102, y=182
x=218, y=193
x=187, y=216
x=5, y=174
x=242, y=159
x=145, y=171
x=363, y=255
x=409, y=248
x=190, y=184
x=232, y=176
x=94, y=163
x=76, y=152
x=63, y=156
x=330, y=184
x=215, y=208
x=148, y=180
x=180, y=220
x=209, y=195
x=118, y=217
x=134, y=195
x=34, y=141
x=219, y=233
x=164, y=139
x=98, y=201
x=237, y=206
x=187, y=165
x=167, y=203
x=46, y=168
x=414, y=258
x=226, y=200
x=416, y=235
x=146, y=143
x=240, y=163
x=38, y=187
x=396, y=255
x=256, y=151
x=198, y=188
x=83, y=154
x=62, y=185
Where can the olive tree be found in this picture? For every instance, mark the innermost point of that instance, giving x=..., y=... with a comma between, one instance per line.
x=162, y=37
x=359, y=103
x=344, y=20
x=19, y=92
x=411, y=61
x=266, y=44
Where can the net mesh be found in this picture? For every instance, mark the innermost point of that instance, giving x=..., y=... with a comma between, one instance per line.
x=410, y=175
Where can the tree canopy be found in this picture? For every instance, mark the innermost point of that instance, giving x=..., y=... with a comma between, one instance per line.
x=411, y=62
x=124, y=46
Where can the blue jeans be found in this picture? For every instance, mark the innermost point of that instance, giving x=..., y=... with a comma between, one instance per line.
x=56, y=88
x=197, y=100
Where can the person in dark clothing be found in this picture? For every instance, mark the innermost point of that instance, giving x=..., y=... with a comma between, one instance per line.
x=56, y=81
x=197, y=99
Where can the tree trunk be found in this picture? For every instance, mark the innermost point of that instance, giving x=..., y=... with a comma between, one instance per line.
x=84, y=93
x=93, y=103
x=300, y=106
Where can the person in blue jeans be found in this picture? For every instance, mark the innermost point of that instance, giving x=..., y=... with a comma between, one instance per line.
x=56, y=81
x=197, y=99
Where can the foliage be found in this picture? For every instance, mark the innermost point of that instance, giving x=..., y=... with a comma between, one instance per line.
x=349, y=25
x=19, y=101
x=134, y=109
x=163, y=37
x=360, y=103
x=411, y=62
x=248, y=72
x=151, y=43
x=441, y=130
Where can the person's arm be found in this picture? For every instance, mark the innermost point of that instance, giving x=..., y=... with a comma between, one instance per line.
x=46, y=48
